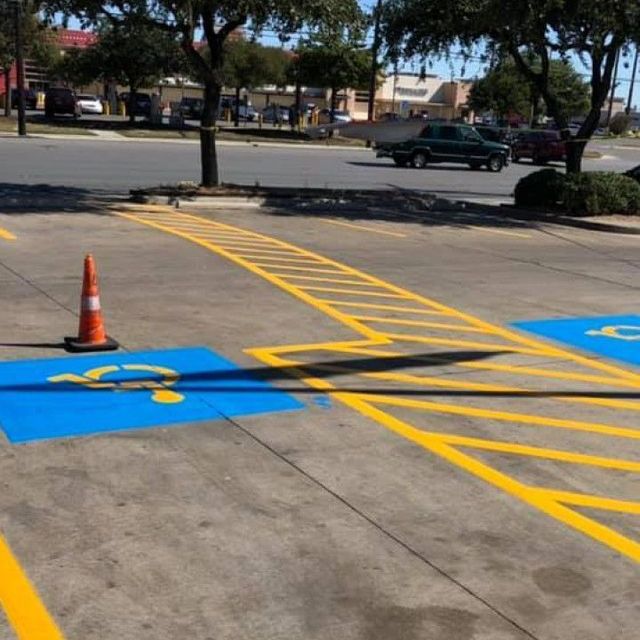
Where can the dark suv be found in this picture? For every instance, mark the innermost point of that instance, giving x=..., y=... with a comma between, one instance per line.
x=60, y=100
x=449, y=143
x=541, y=146
x=142, y=105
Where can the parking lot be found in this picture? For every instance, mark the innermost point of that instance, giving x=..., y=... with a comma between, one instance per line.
x=320, y=424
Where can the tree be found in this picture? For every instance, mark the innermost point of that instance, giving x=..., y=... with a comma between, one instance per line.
x=217, y=19
x=131, y=52
x=249, y=64
x=38, y=41
x=533, y=33
x=505, y=90
x=334, y=60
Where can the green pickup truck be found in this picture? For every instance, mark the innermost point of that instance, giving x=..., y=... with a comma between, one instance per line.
x=448, y=143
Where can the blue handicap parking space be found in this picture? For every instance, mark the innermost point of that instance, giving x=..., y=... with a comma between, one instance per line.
x=615, y=337
x=76, y=396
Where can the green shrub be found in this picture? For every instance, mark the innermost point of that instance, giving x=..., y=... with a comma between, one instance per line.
x=540, y=189
x=619, y=124
x=600, y=192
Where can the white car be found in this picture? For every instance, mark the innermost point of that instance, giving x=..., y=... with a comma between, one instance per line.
x=90, y=104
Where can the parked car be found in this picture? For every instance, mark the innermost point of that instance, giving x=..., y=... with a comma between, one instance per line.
x=142, y=105
x=324, y=116
x=541, y=146
x=457, y=143
x=192, y=107
x=246, y=112
x=30, y=98
x=90, y=104
x=60, y=100
x=275, y=113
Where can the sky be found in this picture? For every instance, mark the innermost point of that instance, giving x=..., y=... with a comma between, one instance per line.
x=457, y=68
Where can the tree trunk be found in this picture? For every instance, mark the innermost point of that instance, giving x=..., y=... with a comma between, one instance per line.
x=131, y=107
x=236, y=122
x=334, y=98
x=575, y=151
x=7, y=93
x=208, y=157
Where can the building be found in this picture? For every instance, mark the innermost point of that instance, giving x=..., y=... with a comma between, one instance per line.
x=413, y=94
x=35, y=78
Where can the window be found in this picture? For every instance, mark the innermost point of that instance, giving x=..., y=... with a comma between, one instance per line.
x=427, y=132
x=362, y=96
x=448, y=133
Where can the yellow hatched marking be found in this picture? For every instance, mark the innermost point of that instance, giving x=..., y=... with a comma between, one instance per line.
x=505, y=416
x=369, y=229
x=322, y=279
x=23, y=608
x=354, y=292
x=443, y=445
x=277, y=259
x=507, y=348
x=302, y=269
x=421, y=323
x=7, y=235
x=492, y=388
x=436, y=444
x=548, y=373
x=254, y=249
x=383, y=307
x=595, y=502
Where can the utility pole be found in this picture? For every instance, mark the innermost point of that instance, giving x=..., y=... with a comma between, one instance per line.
x=614, y=82
x=22, y=121
x=633, y=80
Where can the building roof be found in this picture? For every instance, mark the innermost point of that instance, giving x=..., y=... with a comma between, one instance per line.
x=70, y=38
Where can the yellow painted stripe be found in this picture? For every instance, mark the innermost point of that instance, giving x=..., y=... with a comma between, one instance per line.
x=277, y=259
x=506, y=416
x=450, y=342
x=301, y=269
x=23, y=608
x=322, y=279
x=420, y=323
x=548, y=373
x=595, y=502
x=369, y=229
x=7, y=235
x=353, y=292
x=382, y=307
x=500, y=232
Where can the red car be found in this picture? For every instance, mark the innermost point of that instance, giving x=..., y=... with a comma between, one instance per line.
x=540, y=146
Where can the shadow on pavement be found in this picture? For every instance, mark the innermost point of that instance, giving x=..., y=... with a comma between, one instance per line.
x=200, y=381
x=46, y=198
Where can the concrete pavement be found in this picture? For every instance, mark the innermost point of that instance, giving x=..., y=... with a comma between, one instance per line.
x=335, y=520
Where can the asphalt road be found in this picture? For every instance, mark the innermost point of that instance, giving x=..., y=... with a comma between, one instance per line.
x=118, y=166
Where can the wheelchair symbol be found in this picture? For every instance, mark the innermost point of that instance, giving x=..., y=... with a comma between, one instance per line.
x=159, y=387
x=620, y=332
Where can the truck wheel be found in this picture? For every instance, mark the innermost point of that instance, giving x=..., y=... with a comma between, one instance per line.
x=495, y=163
x=419, y=160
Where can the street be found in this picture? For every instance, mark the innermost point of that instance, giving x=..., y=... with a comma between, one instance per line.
x=116, y=167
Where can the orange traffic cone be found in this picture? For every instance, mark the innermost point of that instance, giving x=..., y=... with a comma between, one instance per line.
x=91, y=334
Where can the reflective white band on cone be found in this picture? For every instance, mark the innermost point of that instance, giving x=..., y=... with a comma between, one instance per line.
x=91, y=303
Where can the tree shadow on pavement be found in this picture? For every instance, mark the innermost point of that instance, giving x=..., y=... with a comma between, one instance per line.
x=45, y=198
x=429, y=208
x=223, y=380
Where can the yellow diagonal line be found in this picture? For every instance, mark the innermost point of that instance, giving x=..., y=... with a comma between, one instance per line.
x=382, y=307
x=506, y=416
x=369, y=229
x=585, y=500
x=7, y=235
x=421, y=323
x=23, y=608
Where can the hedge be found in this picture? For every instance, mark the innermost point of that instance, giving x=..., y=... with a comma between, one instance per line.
x=589, y=193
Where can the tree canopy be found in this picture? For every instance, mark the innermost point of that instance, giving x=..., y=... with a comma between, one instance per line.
x=527, y=30
x=506, y=91
x=217, y=20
